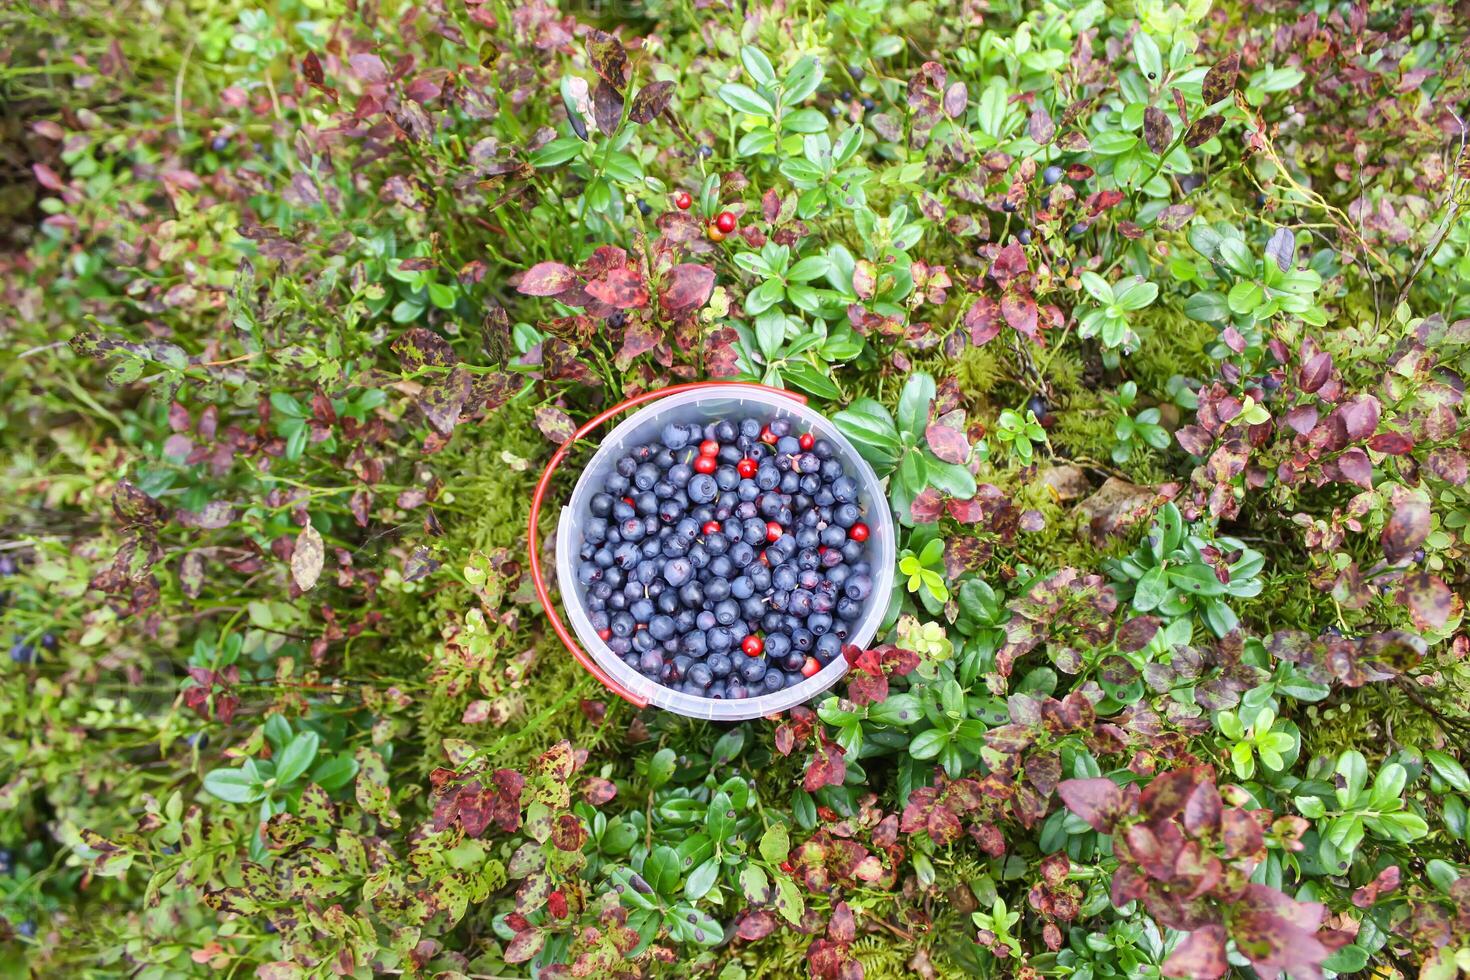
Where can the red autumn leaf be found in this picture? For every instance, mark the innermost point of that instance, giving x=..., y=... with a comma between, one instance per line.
x=983, y=320
x=46, y=177
x=926, y=506
x=947, y=443
x=1315, y=372
x=639, y=337
x=1009, y=263
x=567, y=833
x=1097, y=801
x=1359, y=416
x=1220, y=80
x=827, y=766
x=1385, y=883
x=687, y=286
x=956, y=97
x=755, y=924
x=722, y=358
x=1040, y=126
x=1391, y=443
x=1200, y=957
x=1020, y=313
x=608, y=57
x=622, y=289
x=598, y=791
x=865, y=688
x=547, y=279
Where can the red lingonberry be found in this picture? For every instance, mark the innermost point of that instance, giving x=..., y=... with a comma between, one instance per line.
x=752, y=645
x=768, y=437
x=773, y=531
x=746, y=468
x=858, y=532
x=682, y=200
x=709, y=448
x=811, y=667
x=725, y=222
x=807, y=441
x=604, y=634
x=705, y=464
x=711, y=527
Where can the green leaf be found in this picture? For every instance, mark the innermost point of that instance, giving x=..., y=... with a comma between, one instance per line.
x=1245, y=296
x=1449, y=770
x=1097, y=287
x=1151, y=590
x=1196, y=578
x=775, y=843
x=809, y=268
x=661, y=869
x=298, y=755
x=870, y=428
x=1353, y=769
x=754, y=884
x=1237, y=255
x=788, y=900
x=810, y=380
x=1209, y=307
x=1150, y=60
x=805, y=121
x=719, y=820
x=743, y=98
x=661, y=767
x=913, y=404
x=929, y=743
x=334, y=773
x=702, y=879
x=233, y=786
x=758, y=65
x=1310, y=807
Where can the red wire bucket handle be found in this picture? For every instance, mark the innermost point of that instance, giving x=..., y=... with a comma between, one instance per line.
x=534, y=537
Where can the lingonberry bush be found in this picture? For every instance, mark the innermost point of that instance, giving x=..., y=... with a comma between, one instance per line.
x=1152, y=318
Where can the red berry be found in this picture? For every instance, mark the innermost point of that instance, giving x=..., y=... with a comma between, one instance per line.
x=858, y=532
x=811, y=667
x=628, y=501
x=768, y=437
x=711, y=527
x=752, y=645
x=725, y=221
x=705, y=464
x=682, y=200
x=807, y=440
x=746, y=468
x=604, y=634
x=773, y=531
x=715, y=235
x=764, y=560
x=709, y=448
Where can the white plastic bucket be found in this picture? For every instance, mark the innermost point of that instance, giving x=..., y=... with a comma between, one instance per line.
x=712, y=403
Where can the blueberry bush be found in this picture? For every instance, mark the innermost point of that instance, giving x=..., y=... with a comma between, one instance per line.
x=1152, y=316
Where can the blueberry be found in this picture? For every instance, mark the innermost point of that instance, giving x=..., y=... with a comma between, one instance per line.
x=719, y=665
x=702, y=488
x=858, y=587
x=220, y=143
x=645, y=476
x=752, y=669
x=845, y=490
x=775, y=681
x=644, y=207
x=701, y=675
x=1008, y=207
x=829, y=646
x=678, y=571
x=22, y=652
x=198, y=740
x=1051, y=175
x=1024, y=236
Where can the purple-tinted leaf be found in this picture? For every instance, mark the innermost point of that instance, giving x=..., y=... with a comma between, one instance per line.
x=368, y=68
x=1449, y=464
x=1195, y=440
x=1040, y=126
x=1200, y=957
x=1158, y=131
x=554, y=424
x=1203, y=130
x=1406, y=529
x=651, y=100
x=1302, y=419
x=607, y=107
x=827, y=767
x=1315, y=372
x=1359, y=416
x=956, y=98
x=1019, y=310
x=547, y=279
x=1097, y=801
x=1429, y=600
x=608, y=58
x=926, y=506
x=1220, y=80
x=1282, y=249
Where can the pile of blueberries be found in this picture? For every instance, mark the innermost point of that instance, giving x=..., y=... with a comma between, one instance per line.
x=727, y=560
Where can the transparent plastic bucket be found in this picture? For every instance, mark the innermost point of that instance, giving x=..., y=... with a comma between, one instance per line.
x=711, y=403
